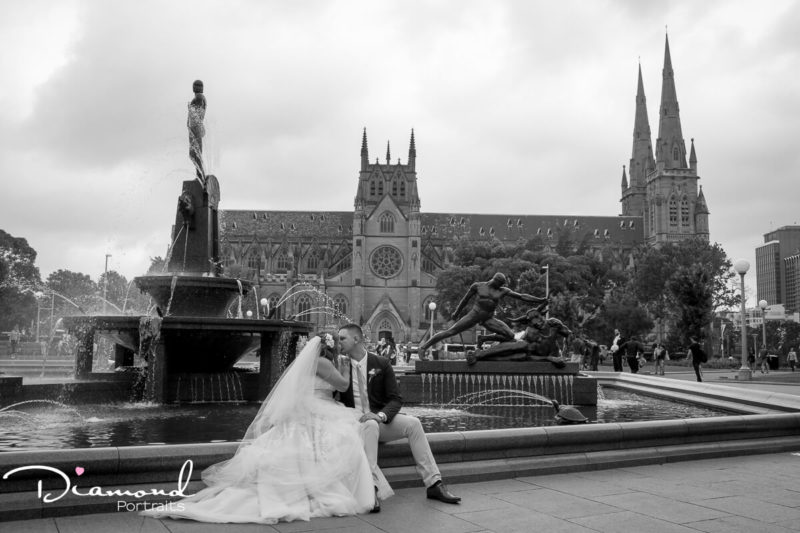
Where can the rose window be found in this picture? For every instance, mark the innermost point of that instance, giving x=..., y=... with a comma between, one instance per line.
x=386, y=261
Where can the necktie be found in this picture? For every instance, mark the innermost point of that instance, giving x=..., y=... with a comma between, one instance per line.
x=362, y=390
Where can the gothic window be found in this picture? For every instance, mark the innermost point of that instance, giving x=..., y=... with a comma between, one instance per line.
x=273, y=302
x=340, y=302
x=372, y=187
x=427, y=264
x=403, y=188
x=673, y=212
x=385, y=325
x=685, y=213
x=386, y=261
x=387, y=223
x=652, y=218
x=676, y=154
x=394, y=188
x=253, y=262
x=312, y=262
x=303, y=306
x=380, y=187
x=282, y=263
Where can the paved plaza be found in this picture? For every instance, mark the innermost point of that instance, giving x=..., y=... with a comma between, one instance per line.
x=755, y=493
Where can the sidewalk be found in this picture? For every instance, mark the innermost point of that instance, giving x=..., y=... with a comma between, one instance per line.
x=759, y=493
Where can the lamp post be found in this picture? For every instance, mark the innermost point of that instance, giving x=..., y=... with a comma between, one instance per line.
x=432, y=307
x=264, y=307
x=38, y=295
x=763, y=305
x=745, y=373
x=105, y=283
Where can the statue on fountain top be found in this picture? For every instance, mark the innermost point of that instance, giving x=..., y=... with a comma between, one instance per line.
x=538, y=342
x=487, y=297
x=194, y=121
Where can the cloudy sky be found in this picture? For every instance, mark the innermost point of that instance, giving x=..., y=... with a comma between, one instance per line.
x=521, y=107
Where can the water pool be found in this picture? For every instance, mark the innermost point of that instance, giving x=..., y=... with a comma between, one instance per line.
x=47, y=426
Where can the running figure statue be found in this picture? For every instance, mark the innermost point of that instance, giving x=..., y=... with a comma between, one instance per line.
x=487, y=296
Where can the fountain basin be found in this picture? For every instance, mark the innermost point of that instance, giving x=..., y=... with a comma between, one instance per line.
x=198, y=296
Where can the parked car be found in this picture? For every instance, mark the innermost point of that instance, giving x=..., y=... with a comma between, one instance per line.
x=456, y=351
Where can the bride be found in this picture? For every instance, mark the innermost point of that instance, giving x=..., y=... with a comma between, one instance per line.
x=302, y=456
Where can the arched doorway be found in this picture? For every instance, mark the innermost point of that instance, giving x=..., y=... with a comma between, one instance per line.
x=385, y=326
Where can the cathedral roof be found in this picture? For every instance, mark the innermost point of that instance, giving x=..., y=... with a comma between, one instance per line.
x=292, y=224
x=325, y=225
x=618, y=229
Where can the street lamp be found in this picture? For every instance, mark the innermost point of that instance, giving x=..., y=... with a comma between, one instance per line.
x=763, y=305
x=38, y=295
x=432, y=307
x=249, y=314
x=264, y=307
x=745, y=373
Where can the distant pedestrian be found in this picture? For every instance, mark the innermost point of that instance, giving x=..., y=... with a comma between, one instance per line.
x=698, y=357
x=633, y=351
x=792, y=358
x=751, y=359
x=14, y=337
x=763, y=360
x=660, y=356
x=616, y=353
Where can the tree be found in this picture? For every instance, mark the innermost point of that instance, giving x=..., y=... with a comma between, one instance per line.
x=670, y=279
x=691, y=289
x=19, y=278
x=77, y=291
x=116, y=290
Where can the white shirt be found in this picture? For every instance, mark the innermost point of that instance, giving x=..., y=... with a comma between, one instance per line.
x=361, y=368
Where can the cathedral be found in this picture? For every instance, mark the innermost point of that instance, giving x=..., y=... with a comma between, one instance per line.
x=377, y=263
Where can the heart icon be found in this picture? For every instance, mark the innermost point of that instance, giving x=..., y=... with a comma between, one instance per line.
x=79, y=470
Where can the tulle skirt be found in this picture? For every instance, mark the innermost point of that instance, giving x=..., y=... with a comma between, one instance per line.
x=313, y=465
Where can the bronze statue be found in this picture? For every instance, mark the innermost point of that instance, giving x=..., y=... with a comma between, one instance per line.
x=194, y=121
x=539, y=341
x=487, y=296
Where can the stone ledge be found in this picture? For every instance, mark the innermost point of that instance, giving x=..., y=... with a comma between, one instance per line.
x=26, y=505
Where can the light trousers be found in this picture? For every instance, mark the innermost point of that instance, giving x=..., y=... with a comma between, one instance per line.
x=401, y=427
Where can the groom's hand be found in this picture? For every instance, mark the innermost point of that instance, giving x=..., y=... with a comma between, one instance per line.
x=370, y=416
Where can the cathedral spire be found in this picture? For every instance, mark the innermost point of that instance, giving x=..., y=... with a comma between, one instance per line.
x=642, y=161
x=624, y=180
x=670, y=146
x=388, y=154
x=364, y=151
x=412, y=152
x=701, y=207
x=693, y=158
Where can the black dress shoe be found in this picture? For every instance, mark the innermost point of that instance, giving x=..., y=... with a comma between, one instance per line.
x=438, y=491
x=377, y=508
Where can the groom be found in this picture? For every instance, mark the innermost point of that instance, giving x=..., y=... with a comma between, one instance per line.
x=373, y=390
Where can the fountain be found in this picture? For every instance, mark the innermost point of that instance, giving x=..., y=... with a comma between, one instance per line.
x=192, y=340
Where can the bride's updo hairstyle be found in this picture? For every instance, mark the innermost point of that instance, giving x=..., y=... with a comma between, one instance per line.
x=328, y=346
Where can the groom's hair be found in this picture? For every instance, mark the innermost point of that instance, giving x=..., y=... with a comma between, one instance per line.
x=355, y=329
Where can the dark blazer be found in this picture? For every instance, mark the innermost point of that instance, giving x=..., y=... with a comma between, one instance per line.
x=382, y=389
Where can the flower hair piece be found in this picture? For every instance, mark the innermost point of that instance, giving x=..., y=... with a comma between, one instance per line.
x=327, y=339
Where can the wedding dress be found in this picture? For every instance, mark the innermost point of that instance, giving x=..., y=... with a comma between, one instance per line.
x=302, y=457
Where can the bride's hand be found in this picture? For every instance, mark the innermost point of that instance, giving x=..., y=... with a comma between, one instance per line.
x=343, y=365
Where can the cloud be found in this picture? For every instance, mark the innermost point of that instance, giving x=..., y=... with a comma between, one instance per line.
x=523, y=107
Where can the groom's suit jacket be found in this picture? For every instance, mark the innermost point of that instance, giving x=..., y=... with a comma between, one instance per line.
x=382, y=389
